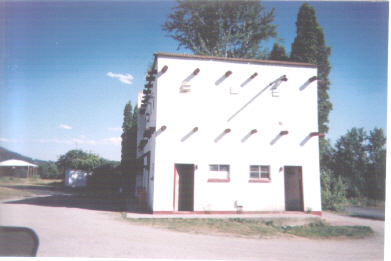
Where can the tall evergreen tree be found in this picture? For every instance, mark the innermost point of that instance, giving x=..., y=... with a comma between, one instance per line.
x=221, y=28
x=126, y=152
x=310, y=46
x=278, y=53
x=134, y=116
x=129, y=147
x=128, y=117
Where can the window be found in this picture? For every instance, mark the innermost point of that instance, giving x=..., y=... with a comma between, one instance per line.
x=261, y=173
x=218, y=173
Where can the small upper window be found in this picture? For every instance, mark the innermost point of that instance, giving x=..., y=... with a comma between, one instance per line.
x=219, y=171
x=259, y=172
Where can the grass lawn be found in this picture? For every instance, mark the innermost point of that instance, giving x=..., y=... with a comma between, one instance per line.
x=256, y=229
x=8, y=192
x=11, y=181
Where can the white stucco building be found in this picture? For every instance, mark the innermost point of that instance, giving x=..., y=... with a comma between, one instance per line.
x=218, y=135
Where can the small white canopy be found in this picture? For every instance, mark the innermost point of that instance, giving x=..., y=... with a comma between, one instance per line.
x=16, y=163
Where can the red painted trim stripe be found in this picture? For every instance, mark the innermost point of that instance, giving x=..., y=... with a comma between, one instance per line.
x=173, y=194
x=260, y=181
x=219, y=180
x=317, y=213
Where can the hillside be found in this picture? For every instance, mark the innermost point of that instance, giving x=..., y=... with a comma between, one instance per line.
x=7, y=154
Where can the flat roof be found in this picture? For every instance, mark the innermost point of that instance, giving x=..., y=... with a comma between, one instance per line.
x=234, y=59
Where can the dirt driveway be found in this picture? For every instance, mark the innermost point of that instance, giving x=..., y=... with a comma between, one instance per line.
x=67, y=231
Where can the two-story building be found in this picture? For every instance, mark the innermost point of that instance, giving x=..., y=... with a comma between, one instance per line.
x=221, y=135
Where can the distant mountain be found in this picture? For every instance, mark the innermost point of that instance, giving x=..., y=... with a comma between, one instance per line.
x=7, y=154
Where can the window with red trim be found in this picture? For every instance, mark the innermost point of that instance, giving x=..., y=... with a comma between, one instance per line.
x=260, y=173
x=218, y=172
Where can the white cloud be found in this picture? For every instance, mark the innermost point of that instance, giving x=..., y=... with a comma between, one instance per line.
x=115, y=129
x=56, y=141
x=91, y=142
x=7, y=140
x=123, y=78
x=66, y=127
x=113, y=141
x=109, y=141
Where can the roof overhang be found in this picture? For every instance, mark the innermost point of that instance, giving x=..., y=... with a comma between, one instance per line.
x=254, y=61
x=16, y=163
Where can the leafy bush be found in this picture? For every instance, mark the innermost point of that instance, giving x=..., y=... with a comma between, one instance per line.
x=333, y=191
x=78, y=159
x=49, y=170
x=360, y=159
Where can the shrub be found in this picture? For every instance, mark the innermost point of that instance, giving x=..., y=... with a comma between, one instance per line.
x=49, y=170
x=333, y=191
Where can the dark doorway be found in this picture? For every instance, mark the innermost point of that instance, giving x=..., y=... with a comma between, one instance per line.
x=293, y=188
x=184, y=187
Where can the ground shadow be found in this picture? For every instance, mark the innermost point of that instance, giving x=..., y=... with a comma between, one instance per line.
x=45, y=189
x=49, y=196
x=134, y=206
x=116, y=204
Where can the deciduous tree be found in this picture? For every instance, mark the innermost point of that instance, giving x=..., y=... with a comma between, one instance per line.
x=78, y=159
x=360, y=160
x=351, y=161
x=49, y=170
x=221, y=28
x=376, y=175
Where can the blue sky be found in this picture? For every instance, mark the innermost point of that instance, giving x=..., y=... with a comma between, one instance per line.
x=69, y=68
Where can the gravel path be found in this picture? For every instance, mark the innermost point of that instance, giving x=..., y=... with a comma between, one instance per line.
x=78, y=232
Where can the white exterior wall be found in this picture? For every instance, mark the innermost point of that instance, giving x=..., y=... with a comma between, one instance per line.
x=211, y=106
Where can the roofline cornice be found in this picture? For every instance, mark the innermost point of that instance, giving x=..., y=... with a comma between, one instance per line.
x=191, y=56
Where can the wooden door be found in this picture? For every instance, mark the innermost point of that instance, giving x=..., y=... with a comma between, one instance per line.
x=184, y=187
x=293, y=188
